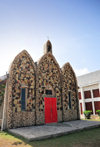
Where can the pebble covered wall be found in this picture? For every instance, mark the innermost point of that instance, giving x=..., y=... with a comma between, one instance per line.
x=48, y=77
x=36, y=78
x=69, y=86
x=22, y=74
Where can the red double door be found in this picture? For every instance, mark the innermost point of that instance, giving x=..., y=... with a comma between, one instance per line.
x=50, y=110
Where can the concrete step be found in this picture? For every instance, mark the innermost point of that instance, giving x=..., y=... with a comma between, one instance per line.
x=54, y=129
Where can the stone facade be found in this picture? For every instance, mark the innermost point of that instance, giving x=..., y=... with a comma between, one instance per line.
x=36, y=79
x=69, y=85
x=48, y=77
x=22, y=74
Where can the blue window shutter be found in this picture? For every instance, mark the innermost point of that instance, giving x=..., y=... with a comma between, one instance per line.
x=23, y=99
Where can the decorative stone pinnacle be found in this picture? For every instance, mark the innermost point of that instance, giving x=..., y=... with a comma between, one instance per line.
x=48, y=47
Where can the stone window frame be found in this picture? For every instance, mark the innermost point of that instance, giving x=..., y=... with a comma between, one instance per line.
x=26, y=95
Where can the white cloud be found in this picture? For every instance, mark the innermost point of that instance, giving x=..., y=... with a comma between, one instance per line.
x=82, y=71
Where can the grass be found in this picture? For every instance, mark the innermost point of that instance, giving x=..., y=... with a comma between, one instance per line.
x=92, y=119
x=86, y=138
x=8, y=140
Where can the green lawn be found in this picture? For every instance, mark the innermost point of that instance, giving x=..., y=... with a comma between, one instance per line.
x=86, y=138
x=92, y=119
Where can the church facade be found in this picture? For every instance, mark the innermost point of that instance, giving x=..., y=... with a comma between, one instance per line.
x=39, y=93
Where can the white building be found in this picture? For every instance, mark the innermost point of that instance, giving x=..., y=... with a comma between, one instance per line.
x=89, y=92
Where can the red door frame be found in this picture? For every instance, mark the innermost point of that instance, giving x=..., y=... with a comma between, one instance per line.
x=50, y=110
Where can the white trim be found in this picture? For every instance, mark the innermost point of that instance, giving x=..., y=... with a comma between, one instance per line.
x=93, y=107
x=91, y=99
x=82, y=100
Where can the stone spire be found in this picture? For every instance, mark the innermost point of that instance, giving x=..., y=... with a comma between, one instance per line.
x=48, y=47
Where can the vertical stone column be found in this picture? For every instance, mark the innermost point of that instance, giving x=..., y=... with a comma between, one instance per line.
x=83, y=100
x=92, y=102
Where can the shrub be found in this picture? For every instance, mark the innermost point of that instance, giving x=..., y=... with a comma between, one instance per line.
x=87, y=114
x=98, y=112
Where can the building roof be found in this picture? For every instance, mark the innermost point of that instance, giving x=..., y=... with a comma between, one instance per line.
x=3, y=77
x=89, y=79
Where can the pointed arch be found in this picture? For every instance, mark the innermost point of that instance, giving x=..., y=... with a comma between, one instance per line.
x=48, y=55
x=22, y=77
x=48, y=75
x=69, y=93
x=22, y=54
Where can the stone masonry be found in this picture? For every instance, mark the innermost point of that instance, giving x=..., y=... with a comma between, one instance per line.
x=69, y=83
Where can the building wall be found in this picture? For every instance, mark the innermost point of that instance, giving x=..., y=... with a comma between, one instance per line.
x=48, y=77
x=69, y=84
x=22, y=74
x=90, y=98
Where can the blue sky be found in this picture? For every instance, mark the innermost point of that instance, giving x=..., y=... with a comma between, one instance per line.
x=73, y=27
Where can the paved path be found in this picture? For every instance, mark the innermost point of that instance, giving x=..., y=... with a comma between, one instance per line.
x=53, y=130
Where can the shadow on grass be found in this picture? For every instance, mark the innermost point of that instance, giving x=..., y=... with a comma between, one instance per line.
x=17, y=143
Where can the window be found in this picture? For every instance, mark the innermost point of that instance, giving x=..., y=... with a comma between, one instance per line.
x=69, y=99
x=88, y=106
x=79, y=95
x=49, y=92
x=96, y=93
x=87, y=94
x=97, y=106
x=23, y=99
